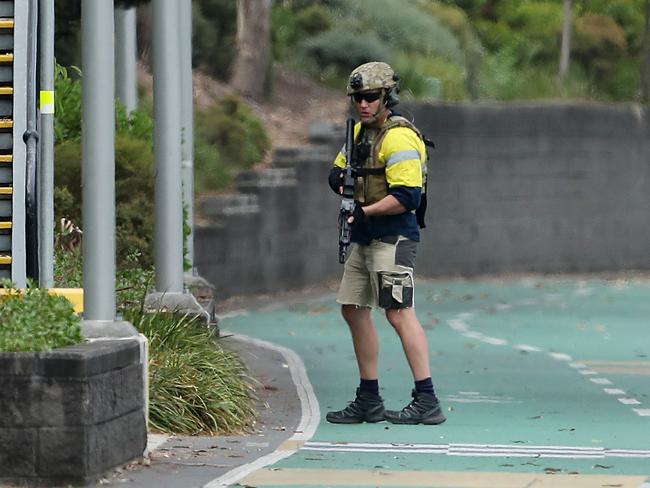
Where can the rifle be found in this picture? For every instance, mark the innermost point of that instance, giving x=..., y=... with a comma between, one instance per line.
x=347, y=197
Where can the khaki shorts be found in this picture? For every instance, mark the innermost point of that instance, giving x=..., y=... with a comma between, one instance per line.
x=379, y=274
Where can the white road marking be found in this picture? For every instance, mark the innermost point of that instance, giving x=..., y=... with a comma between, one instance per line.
x=473, y=335
x=495, y=341
x=629, y=401
x=614, y=391
x=310, y=416
x=578, y=365
x=458, y=325
x=526, y=347
x=480, y=399
x=600, y=381
x=479, y=450
x=560, y=356
x=463, y=328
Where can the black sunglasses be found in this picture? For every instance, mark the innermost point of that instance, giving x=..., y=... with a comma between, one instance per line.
x=368, y=97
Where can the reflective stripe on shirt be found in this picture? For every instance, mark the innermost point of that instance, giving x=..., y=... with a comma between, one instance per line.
x=400, y=156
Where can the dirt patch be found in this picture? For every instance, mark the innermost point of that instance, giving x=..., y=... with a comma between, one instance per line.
x=295, y=103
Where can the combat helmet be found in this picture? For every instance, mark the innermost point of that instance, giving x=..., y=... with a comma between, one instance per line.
x=375, y=75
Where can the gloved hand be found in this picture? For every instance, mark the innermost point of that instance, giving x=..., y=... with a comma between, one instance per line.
x=335, y=180
x=358, y=215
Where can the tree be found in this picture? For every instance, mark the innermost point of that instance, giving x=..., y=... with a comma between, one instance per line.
x=645, y=61
x=565, y=49
x=251, y=67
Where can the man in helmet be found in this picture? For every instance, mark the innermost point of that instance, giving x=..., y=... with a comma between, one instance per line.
x=390, y=158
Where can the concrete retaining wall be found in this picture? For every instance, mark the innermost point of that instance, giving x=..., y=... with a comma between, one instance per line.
x=70, y=414
x=541, y=188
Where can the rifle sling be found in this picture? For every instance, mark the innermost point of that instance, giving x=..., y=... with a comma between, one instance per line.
x=369, y=171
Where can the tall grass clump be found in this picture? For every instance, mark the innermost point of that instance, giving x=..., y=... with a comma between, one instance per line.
x=196, y=386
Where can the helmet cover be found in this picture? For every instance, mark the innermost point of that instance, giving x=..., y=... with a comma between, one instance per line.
x=372, y=76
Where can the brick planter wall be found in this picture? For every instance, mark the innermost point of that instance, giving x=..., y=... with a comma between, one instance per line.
x=68, y=415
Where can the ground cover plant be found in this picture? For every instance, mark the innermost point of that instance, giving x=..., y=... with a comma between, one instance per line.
x=32, y=320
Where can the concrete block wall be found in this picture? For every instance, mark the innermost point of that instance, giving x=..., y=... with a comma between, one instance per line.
x=517, y=187
x=70, y=414
x=541, y=188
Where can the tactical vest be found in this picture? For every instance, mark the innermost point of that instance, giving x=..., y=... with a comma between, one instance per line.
x=370, y=185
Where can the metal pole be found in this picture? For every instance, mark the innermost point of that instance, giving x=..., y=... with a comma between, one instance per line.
x=30, y=137
x=46, y=167
x=167, y=149
x=126, y=55
x=187, y=121
x=98, y=158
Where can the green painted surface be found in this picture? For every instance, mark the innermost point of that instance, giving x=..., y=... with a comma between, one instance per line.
x=525, y=398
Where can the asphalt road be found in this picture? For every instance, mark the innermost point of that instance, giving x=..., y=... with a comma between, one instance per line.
x=544, y=381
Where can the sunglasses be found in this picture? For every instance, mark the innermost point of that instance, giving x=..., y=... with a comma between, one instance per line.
x=368, y=97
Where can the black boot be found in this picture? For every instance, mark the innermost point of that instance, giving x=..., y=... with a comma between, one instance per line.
x=423, y=409
x=366, y=407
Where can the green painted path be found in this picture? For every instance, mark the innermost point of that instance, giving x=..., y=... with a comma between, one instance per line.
x=545, y=382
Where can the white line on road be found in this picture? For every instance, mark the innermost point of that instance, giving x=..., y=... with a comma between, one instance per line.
x=600, y=381
x=479, y=450
x=309, y=420
x=614, y=391
x=629, y=401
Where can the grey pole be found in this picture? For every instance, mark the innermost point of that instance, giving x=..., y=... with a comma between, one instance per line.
x=167, y=148
x=126, y=55
x=46, y=166
x=98, y=159
x=187, y=120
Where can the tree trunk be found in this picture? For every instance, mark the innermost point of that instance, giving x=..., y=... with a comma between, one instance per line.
x=645, y=62
x=251, y=66
x=565, y=50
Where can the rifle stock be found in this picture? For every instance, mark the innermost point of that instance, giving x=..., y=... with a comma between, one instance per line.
x=347, y=197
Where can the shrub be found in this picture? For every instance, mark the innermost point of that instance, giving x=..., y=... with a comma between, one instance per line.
x=344, y=49
x=232, y=128
x=210, y=172
x=133, y=188
x=290, y=24
x=422, y=76
x=33, y=321
x=68, y=104
x=598, y=36
x=132, y=280
x=403, y=26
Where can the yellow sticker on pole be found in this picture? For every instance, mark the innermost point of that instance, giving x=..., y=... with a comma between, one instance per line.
x=47, y=102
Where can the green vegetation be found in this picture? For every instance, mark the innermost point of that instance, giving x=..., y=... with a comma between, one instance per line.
x=196, y=386
x=33, y=321
x=487, y=49
x=229, y=138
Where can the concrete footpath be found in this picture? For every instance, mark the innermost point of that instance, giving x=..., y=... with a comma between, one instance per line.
x=544, y=381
